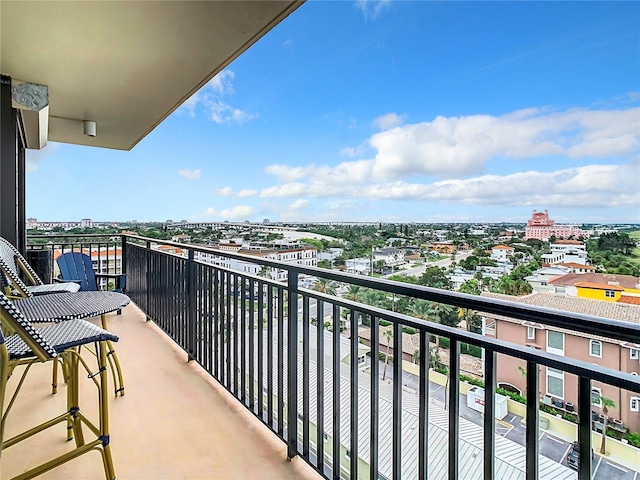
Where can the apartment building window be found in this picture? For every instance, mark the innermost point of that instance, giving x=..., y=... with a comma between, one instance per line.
x=555, y=342
x=634, y=404
x=555, y=382
x=595, y=348
x=610, y=294
x=531, y=333
x=634, y=354
x=596, y=394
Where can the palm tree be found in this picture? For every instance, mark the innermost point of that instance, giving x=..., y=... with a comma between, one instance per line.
x=473, y=320
x=388, y=334
x=420, y=309
x=443, y=314
x=324, y=285
x=372, y=297
x=606, y=404
x=354, y=293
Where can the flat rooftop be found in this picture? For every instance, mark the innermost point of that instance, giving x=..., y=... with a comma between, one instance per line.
x=174, y=422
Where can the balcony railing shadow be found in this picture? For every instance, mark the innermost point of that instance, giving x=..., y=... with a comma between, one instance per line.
x=175, y=421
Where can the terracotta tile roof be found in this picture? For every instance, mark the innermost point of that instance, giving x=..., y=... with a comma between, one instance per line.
x=410, y=343
x=629, y=299
x=599, y=286
x=576, y=265
x=625, y=281
x=613, y=310
x=502, y=247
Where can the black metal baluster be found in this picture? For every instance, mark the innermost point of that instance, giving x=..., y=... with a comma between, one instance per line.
x=454, y=407
x=533, y=414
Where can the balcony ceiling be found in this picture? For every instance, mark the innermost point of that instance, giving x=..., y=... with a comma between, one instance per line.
x=125, y=65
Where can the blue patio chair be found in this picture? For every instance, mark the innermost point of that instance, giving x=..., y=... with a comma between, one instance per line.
x=13, y=264
x=27, y=347
x=77, y=267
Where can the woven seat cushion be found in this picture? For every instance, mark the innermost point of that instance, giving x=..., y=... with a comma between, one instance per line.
x=61, y=336
x=57, y=307
x=53, y=288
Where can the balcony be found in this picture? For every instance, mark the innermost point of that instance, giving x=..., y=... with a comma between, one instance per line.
x=246, y=401
x=175, y=421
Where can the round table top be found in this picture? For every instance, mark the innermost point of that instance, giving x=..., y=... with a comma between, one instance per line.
x=57, y=307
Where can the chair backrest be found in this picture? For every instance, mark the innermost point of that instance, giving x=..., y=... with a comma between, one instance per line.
x=77, y=267
x=13, y=320
x=11, y=262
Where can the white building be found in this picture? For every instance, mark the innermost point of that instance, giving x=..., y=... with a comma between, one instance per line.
x=303, y=256
x=392, y=257
x=540, y=278
x=566, y=251
x=501, y=253
x=360, y=266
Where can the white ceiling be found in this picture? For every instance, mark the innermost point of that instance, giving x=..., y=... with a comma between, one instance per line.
x=125, y=65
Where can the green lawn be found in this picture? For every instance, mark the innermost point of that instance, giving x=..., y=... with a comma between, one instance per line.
x=636, y=251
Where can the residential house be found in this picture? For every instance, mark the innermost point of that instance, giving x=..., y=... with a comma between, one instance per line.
x=539, y=279
x=410, y=342
x=562, y=387
x=182, y=238
x=566, y=251
x=361, y=266
x=446, y=248
x=600, y=286
x=502, y=253
x=392, y=257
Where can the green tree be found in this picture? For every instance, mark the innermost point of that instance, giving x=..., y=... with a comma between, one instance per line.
x=470, y=286
x=472, y=319
x=436, y=277
x=324, y=285
x=354, y=293
x=606, y=404
x=443, y=314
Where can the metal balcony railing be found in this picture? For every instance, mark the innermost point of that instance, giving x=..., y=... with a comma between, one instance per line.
x=279, y=349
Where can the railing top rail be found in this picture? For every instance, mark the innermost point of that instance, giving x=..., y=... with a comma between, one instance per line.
x=56, y=236
x=569, y=365
x=621, y=330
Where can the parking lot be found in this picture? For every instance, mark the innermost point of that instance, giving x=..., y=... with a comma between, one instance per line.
x=512, y=427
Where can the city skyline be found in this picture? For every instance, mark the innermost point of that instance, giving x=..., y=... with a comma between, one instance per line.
x=419, y=112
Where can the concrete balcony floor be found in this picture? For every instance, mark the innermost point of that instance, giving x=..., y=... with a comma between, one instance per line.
x=174, y=422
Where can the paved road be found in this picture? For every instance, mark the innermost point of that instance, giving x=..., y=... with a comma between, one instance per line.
x=417, y=271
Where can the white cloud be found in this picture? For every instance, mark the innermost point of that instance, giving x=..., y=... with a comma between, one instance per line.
x=228, y=192
x=372, y=8
x=588, y=186
x=299, y=204
x=190, y=174
x=348, y=152
x=388, y=120
x=243, y=212
x=221, y=83
x=34, y=157
x=454, y=147
x=209, y=212
x=212, y=98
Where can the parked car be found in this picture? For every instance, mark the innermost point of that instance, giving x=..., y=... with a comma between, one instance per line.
x=573, y=457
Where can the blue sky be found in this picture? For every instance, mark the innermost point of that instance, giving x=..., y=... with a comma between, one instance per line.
x=388, y=111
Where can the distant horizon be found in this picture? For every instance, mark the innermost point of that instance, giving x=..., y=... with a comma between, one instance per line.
x=381, y=111
x=262, y=222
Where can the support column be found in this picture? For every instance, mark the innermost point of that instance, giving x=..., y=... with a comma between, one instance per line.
x=8, y=164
